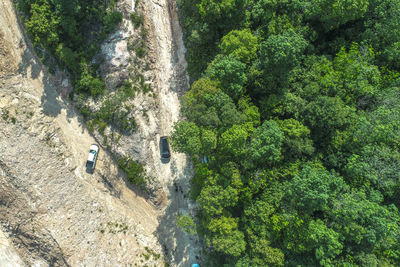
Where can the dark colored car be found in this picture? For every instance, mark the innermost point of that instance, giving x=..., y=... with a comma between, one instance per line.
x=164, y=147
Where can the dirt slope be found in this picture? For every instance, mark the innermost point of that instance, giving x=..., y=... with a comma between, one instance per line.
x=169, y=82
x=51, y=211
x=168, y=50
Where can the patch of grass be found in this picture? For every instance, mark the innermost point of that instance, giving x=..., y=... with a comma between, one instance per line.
x=116, y=227
x=140, y=51
x=112, y=112
x=90, y=126
x=127, y=89
x=85, y=111
x=145, y=115
x=105, y=140
x=5, y=115
x=137, y=19
x=143, y=33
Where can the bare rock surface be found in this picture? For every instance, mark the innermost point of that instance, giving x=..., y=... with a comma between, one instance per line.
x=53, y=213
x=156, y=113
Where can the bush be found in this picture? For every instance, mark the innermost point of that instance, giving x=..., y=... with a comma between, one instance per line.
x=111, y=20
x=68, y=58
x=137, y=19
x=134, y=171
x=89, y=84
x=126, y=89
x=186, y=223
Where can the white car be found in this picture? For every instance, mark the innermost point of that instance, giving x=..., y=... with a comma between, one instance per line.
x=91, y=161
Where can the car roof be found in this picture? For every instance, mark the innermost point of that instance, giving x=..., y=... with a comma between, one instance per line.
x=94, y=147
x=91, y=157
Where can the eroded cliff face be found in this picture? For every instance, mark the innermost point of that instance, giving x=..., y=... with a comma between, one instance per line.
x=54, y=213
x=51, y=211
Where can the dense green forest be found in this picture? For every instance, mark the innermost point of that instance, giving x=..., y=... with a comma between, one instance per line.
x=293, y=125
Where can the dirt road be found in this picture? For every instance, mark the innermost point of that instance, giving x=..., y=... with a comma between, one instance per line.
x=51, y=210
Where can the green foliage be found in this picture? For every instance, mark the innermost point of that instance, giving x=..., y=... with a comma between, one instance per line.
x=214, y=198
x=186, y=223
x=354, y=78
x=208, y=141
x=333, y=13
x=325, y=116
x=114, y=113
x=326, y=242
x=89, y=84
x=233, y=141
x=135, y=172
x=381, y=30
x=111, y=20
x=376, y=166
x=42, y=25
x=296, y=143
x=314, y=188
x=186, y=138
x=296, y=106
x=366, y=224
x=232, y=244
x=68, y=58
x=265, y=147
x=230, y=72
x=70, y=31
x=279, y=54
x=242, y=44
x=137, y=19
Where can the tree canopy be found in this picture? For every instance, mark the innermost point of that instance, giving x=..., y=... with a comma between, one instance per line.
x=297, y=108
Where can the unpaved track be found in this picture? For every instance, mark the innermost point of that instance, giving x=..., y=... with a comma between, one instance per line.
x=55, y=202
x=167, y=48
x=169, y=83
x=51, y=210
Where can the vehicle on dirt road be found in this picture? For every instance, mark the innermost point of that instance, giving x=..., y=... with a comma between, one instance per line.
x=92, y=158
x=164, y=147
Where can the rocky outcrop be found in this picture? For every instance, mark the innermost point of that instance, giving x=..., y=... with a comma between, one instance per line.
x=53, y=213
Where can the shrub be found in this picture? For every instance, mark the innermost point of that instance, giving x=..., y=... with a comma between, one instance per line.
x=134, y=171
x=186, y=223
x=111, y=20
x=89, y=84
x=137, y=19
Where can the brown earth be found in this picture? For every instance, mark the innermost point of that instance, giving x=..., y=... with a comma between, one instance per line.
x=53, y=213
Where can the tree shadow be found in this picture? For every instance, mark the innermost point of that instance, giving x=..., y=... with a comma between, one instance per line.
x=51, y=105
x=179, y=84
x=31, y=67
x=168, y=232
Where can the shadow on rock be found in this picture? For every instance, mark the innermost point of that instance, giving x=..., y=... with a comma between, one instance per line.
x=175, y=242
x=51, y=105
x=31, y=67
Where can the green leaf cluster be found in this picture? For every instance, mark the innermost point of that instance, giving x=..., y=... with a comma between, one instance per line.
x=292, y=121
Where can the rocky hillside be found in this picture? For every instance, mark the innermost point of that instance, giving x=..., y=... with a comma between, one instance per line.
x=53, y=213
